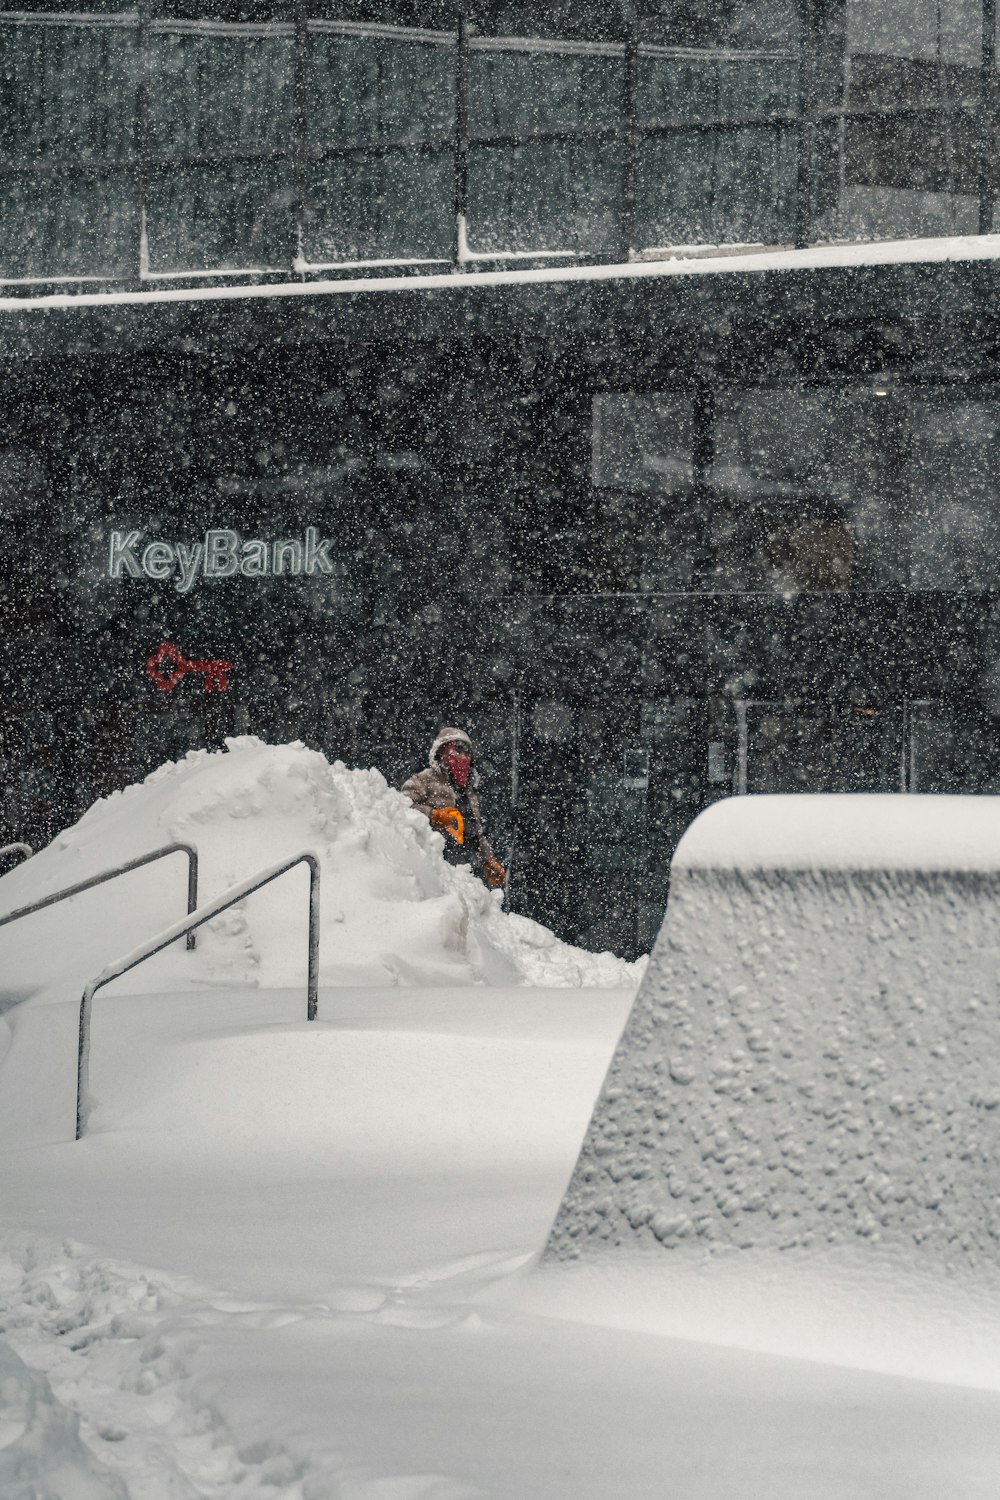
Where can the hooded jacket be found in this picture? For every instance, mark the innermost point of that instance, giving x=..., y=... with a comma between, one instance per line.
x=434, y=788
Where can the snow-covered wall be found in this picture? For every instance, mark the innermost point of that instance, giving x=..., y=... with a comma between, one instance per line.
x=812, y=1063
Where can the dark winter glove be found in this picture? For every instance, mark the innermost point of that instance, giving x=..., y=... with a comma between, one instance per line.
x=449, y=821
x=494, y=874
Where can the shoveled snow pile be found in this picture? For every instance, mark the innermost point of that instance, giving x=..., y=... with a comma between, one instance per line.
x=393, y=912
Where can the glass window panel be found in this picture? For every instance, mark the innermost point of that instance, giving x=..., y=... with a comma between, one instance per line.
x=906, y=174
x=954, y=523
x=906, y=83
x=916, y=175
x=397, y=204
x=216, y=87
x=714, y=187
x=72, y=223
x=236, y=216
x=823, y=749
x=928, y=152
x=69, y=85
x=526, y=88
x=643, y=443
x=881, y=213
x=551, y=196
x=375, y=88
x=716, y=86
x=811, y=501
x=735, y=185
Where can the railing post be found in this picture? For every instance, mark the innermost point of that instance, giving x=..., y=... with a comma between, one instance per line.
x=987, y=119
x=630, y=142
x=193, y=920
x=83, y=1059
x=460, y=243
x=192, y=855
x=312, y=981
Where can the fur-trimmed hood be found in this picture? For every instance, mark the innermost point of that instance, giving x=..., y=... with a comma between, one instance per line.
x=447, y=735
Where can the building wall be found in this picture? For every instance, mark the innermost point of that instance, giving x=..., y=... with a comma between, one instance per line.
x=646, y=570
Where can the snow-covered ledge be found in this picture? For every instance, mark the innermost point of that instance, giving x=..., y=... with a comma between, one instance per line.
x=683, y=263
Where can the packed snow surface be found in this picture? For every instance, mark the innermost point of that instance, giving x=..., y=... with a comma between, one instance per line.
x=297, y=1261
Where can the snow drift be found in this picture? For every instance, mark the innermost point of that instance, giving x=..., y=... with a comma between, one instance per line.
x=809, y=1072
x=393, y=912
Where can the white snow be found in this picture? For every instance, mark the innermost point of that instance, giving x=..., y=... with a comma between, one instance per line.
x=297, y=1261
x=41, y=1453
x=931, y=251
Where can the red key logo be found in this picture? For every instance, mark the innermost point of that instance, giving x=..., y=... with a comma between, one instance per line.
x=167, y=666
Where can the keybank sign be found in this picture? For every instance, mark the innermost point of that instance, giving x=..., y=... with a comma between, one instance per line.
x=222, y=554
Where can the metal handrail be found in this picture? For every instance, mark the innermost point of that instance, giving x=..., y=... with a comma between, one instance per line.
x=24, y=850
x=123, y=869
x=222, y=903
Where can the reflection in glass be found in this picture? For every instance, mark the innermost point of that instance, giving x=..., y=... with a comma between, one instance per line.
x=905, y=155
x=807, y=502
x=953, y=470
x=643, y=443
x=556, y=193
x=69, y=223
x=823, y=748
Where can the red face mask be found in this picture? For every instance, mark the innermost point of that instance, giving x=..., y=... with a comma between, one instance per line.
x=458, y=764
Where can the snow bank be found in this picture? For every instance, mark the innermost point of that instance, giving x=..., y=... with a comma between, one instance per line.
x=809, y=1075
x=392, y=911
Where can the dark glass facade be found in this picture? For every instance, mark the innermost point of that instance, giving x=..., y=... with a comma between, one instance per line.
x=655, y=539
x=266, y=139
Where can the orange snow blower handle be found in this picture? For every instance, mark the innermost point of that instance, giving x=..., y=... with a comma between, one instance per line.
x=449, y=820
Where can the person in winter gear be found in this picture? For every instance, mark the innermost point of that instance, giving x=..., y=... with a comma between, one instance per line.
x=446, y=794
